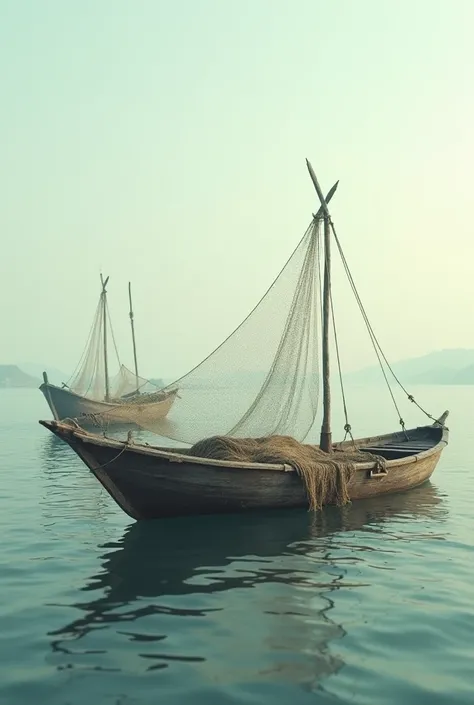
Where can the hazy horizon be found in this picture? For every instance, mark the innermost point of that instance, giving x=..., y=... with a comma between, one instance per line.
x=165, y=145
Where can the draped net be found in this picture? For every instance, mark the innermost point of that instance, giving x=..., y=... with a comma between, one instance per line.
x=89, y=378
x=262, y=380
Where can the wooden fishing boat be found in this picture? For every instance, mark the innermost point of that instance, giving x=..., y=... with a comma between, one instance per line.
x=150, y=482
x=153, y=482
x=64, y=403
x=92, y=393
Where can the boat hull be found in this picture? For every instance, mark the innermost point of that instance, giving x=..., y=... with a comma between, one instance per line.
x=150, y=483
x=65, y=404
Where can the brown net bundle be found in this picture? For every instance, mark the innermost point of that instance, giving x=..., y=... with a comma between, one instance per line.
x=325, y=476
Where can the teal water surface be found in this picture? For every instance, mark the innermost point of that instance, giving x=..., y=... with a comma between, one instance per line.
x=370, y=603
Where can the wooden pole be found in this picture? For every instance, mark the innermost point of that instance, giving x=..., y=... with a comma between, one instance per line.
x=325, y=442
x=329, y=195
x=326, y=436
x=104, y=318
x=133, y=332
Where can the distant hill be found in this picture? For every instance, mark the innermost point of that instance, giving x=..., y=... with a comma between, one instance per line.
x=464, y=376
x=11, y=376
x=55, y=376
x=157, y=381
x=452, y=366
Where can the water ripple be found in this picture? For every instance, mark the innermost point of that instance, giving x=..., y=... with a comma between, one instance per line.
x=371, y=603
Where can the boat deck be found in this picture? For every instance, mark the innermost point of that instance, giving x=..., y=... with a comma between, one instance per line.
x=392, y=449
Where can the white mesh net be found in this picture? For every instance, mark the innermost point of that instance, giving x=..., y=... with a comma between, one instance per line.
x=89, y=379
x=126, y=383
x=262, y=380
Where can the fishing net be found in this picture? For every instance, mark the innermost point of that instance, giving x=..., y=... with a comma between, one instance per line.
x=325, y=476
x=126, y=383
x=263, y=379
x=89, y=378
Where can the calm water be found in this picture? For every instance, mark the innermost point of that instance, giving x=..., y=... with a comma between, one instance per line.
x=372, y=603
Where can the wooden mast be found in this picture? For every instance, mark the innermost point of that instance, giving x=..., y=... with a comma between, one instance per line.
x=104, y=318
x=326, y=436
x=133, y=332
x=330, y=194
x=325, y=441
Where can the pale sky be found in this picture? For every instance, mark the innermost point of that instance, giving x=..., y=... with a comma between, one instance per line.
x=164, y=143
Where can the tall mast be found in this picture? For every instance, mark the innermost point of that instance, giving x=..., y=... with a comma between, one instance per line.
x=326, y=436
x=104, y=318
x=133, y=332
x=325, y=442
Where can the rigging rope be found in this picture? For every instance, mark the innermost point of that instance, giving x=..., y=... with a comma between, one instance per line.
x=347, y=426
x=112, y=331
x=375, y=343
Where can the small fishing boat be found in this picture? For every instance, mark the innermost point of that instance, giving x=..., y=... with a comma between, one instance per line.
x=66, y=404
x=150, y=482
x=91, y=392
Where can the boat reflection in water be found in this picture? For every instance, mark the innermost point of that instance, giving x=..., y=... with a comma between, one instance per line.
x=69, y=489
x=68, y=492
x=234, y=599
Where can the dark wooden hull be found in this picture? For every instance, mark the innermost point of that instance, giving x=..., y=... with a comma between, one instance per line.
x=149, y=482
x=65, y=404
